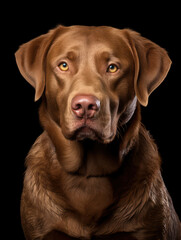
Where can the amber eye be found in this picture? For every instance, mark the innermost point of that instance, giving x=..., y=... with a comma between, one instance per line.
x=112, y=68
x=63, y=66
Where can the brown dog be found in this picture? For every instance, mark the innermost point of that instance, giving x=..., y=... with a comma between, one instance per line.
x=94, y=173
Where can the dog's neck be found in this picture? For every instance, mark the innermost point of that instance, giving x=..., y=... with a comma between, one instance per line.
x=91, y=158
x=98, y=160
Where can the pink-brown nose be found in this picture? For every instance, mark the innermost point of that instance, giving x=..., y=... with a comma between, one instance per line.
x=85, y=106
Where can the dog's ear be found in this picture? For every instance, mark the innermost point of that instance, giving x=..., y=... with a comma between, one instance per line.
x=152, y=64
x=31, y=60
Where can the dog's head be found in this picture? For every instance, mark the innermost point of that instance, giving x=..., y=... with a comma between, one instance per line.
x=92, y=77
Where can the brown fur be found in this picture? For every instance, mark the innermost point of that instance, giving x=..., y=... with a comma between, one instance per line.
x=103, y=182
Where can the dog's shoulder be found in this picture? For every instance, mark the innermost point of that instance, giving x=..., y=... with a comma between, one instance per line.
x=40, y=161
x=41, y=150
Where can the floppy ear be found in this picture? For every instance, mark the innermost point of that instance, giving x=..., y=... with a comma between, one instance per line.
x=152, y=64
x=31, y=62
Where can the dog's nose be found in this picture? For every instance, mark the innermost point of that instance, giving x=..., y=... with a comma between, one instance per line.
x=85, y=106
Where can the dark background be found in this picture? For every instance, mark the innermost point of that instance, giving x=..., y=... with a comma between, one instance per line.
x=159, y=23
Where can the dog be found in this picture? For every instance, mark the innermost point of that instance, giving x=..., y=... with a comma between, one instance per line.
x=94, y=173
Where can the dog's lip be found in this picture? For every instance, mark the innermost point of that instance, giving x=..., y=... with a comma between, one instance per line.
x=84, y=126
x=88, y=129
x=85, y=131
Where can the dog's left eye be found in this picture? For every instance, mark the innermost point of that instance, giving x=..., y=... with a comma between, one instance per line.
x=63, y=66
x=112, y=68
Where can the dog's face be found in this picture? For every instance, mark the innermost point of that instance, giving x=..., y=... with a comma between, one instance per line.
x=92, y=77
x=89, y=82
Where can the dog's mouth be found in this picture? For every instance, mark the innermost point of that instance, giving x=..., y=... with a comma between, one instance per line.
x=85, y=132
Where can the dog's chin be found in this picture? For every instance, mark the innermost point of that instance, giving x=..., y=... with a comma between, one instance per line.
x=87, y=133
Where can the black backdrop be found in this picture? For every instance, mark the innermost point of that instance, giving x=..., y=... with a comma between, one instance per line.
x=159, y=23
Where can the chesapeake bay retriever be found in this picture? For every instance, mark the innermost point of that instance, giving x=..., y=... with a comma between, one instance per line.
x=94, y=173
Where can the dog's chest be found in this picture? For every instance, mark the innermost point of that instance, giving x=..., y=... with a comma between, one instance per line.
x=89, y=197
x=86, y=200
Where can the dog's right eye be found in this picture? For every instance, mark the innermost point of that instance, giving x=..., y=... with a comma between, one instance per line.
x=63, y=66
x=112, y=68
